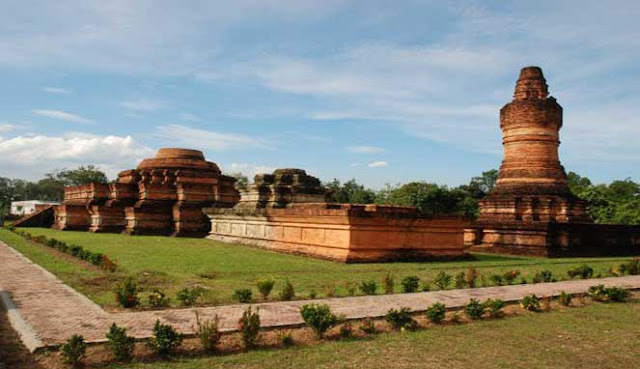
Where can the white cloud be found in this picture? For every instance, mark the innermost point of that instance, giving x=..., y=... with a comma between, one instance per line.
x=189, y=117
x=142, y=105
x=56, y=90
x=248, y=169
x=377, y=164
x=61, y=115
x=30, y=157
x=365, y=149
x=207, y=140
x=5, y=127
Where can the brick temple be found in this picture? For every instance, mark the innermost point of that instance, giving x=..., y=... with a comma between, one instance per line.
x=164, y=195
x=531, y=211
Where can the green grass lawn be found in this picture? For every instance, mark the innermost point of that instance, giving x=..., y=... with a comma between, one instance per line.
x=596, y=336
x=170, y=264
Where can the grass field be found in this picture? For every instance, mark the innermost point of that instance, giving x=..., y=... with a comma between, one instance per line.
x=596, y=336
x=170, y=264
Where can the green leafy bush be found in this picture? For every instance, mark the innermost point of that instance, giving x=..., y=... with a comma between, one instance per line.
x=368, y=326
x=346, y=330
x=442, y=280
x=602, y=293
x=127, y=293
x=119, y=343
x=158, y=299
x=249, y=327
x=265, y=285
x=368, y=287
x=545, y=276
x=208, y=332
x=319, y=318
x=510, y=276
x=474, y=309
x=494, y=307
x=564, y=298
x=189, y=296
x=165, y=339
x=530, y=302
x=583, y=271
x=287, y=293
x=459, y=280
x=436, y=312
x=400, y=318
x=388, y=283
x=496, y=279
x=74, y=350
x=351, y=288
x=410, y=284
x=471, y=276
x=242, y=295
x=286, y=338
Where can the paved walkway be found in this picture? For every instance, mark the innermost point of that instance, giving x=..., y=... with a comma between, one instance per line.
x=45, y=311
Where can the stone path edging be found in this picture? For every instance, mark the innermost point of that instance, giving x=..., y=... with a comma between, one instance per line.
x=46, y=312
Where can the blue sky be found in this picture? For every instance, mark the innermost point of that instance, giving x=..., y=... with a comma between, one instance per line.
x=380, y=91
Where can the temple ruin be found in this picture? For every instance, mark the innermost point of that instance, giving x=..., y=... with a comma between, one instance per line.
x=531, y=211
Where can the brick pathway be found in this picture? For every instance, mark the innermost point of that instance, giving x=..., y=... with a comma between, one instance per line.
x=47, y=312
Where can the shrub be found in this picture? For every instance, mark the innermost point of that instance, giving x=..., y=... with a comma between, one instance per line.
x=564, y=298
x=426, y=287
x=265, y=286
x=351, y=288
x=474, y=309
x=436, y=312
x=602, y=293
x=598, y=292
x=388, y=283
x=286, y=339
x=249, y=327
x=442, y=280
x=158, y=299
x=368, y=287
x=530, y=302
x=74, y=350
x=242, y=295
x=108, y=264
x=165, y=339
x=543, y=276
x=631, y=268
x=470, y=276
x=208, y=332
x=330, y=290
x=95, y=258
x=583, y=271
x=189, y=296
x=410, y=284
x=459, y=280
x=400, y=319
x=494, y=307
x=496, y=280
x=368, y=326
x=346, y=330
x=127, y=294
x=119, y=343
x=287, y=293
x=319, y=318
x=510, y=276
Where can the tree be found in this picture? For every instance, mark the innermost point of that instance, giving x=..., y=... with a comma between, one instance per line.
x=484, y=184
x=350, y=192
x=77, y=177
x=241, y=180
x=578, y=184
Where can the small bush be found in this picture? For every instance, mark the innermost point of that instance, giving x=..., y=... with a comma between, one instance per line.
x=368, y=287
x=249, y=327
x=286, y=339
x=598, y=293
x=426, y=287
x=346, y=330
x=494, y=307
x=108, y=264
x=436, y=312
x=470, y=276
x=474, y=309
x=319, y=318
x=583, y=271
x=158, y=299
x=127, y=294
x=189, y=296
x=510, y=276
x=614, y=294
x=564, y=298
x=400, y=319
x=368, y=326
x=545, y=276
x=265, y=286
x=74, y=350
x=119, y=343
x=459, y=280
x=496, y=280
x=410, y=284
x=531, y=303
x=208, y=332
x=388, y=283
x=330, y=290
x=351, y=288
x=165, y=339
x=287, y=293
x=442, y=280
x=632, y=267
x=242, y=295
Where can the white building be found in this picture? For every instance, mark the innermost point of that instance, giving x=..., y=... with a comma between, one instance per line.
x=21, y=208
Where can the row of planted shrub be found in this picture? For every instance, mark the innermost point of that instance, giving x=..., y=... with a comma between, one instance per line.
x=95, y=258
x=127, y=293
x=320, y=319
